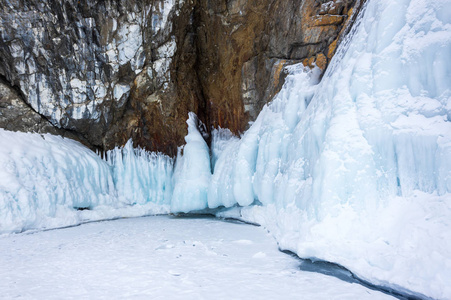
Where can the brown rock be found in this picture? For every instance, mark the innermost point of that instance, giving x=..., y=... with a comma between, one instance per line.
x=321, y=61
x=325, y=20
x=332, y=48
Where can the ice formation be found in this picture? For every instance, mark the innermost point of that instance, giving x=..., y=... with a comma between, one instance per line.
x=192, y=171
x=42, y=177
x=354, y=169
x=357, y=169
x=141, y=176
x=47, y=181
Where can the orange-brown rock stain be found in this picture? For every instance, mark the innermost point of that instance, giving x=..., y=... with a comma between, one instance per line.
x=215, y=40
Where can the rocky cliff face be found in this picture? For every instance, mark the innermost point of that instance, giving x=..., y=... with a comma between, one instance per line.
x=107, y=71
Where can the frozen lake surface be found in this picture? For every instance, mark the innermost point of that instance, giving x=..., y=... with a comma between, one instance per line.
x=161, y=258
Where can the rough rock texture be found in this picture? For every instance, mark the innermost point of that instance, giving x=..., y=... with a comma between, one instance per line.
x=76, y=61
x=17, y=115
x=244, y=45
x=107, y=71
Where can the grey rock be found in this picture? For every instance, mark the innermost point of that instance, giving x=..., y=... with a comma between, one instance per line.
x=75, y=61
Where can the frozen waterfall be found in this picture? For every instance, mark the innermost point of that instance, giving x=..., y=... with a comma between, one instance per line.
x=357, y=169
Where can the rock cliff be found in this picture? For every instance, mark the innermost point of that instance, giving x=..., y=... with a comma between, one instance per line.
x=106, y=71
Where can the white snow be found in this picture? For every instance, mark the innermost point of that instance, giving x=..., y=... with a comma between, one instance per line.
x=167, y=50
x=128, y=43
x=160, y=258
x=120, y=90
x=78, y=96
x=99, y=90
x=163, y=60
x=160, y=15
x=161, y=67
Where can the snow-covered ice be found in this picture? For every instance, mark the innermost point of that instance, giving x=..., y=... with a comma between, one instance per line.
x=160, y=258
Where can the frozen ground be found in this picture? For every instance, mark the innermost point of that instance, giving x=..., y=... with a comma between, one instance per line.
x=160, y=258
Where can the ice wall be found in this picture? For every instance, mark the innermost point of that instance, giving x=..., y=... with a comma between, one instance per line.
x=357, y=169
x=45, y=178
x=141, y=176
x=47, y=182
